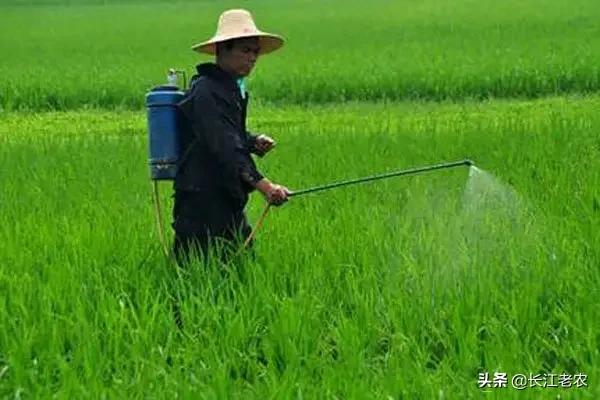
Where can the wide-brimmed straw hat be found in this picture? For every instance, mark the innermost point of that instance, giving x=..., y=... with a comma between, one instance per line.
x=235, y=24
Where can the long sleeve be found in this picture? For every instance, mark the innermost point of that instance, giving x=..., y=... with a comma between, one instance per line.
x=222, y=138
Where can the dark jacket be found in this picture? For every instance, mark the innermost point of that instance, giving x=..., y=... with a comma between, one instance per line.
x=216, y=147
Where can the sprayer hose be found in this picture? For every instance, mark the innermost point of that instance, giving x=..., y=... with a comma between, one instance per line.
x=159, y=221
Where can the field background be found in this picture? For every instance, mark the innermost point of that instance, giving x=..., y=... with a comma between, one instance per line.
x=105, y=54
x=404, y=289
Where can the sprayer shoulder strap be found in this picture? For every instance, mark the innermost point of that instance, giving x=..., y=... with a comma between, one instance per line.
x=185, y=155
x=188, y=97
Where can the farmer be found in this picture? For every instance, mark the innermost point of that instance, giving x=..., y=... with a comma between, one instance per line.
x=217, y=172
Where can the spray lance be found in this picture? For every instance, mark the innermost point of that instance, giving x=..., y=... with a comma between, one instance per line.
x=334, y=185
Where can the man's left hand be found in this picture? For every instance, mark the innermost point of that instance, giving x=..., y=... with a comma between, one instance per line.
x=263, y=145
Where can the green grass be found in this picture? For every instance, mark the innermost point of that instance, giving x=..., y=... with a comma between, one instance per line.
x=389, y=289
x=406, y=288
x=70, y=54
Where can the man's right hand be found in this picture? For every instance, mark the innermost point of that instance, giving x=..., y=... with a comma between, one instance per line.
x=274, y=194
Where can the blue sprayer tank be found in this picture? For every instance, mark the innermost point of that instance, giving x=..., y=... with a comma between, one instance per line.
x=164, y=124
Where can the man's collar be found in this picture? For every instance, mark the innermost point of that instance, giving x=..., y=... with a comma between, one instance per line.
x=214, y=71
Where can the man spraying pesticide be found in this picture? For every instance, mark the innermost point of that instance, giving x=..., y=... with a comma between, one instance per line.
x=214, y=172
x=199, y=140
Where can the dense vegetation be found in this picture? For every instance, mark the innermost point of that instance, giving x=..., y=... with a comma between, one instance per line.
x=109, y=54
x=407, y=288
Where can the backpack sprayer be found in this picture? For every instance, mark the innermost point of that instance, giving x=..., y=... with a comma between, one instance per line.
x=165, y=122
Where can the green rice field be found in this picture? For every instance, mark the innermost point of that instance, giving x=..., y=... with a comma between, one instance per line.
x=106, y=53
x=407, y=288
